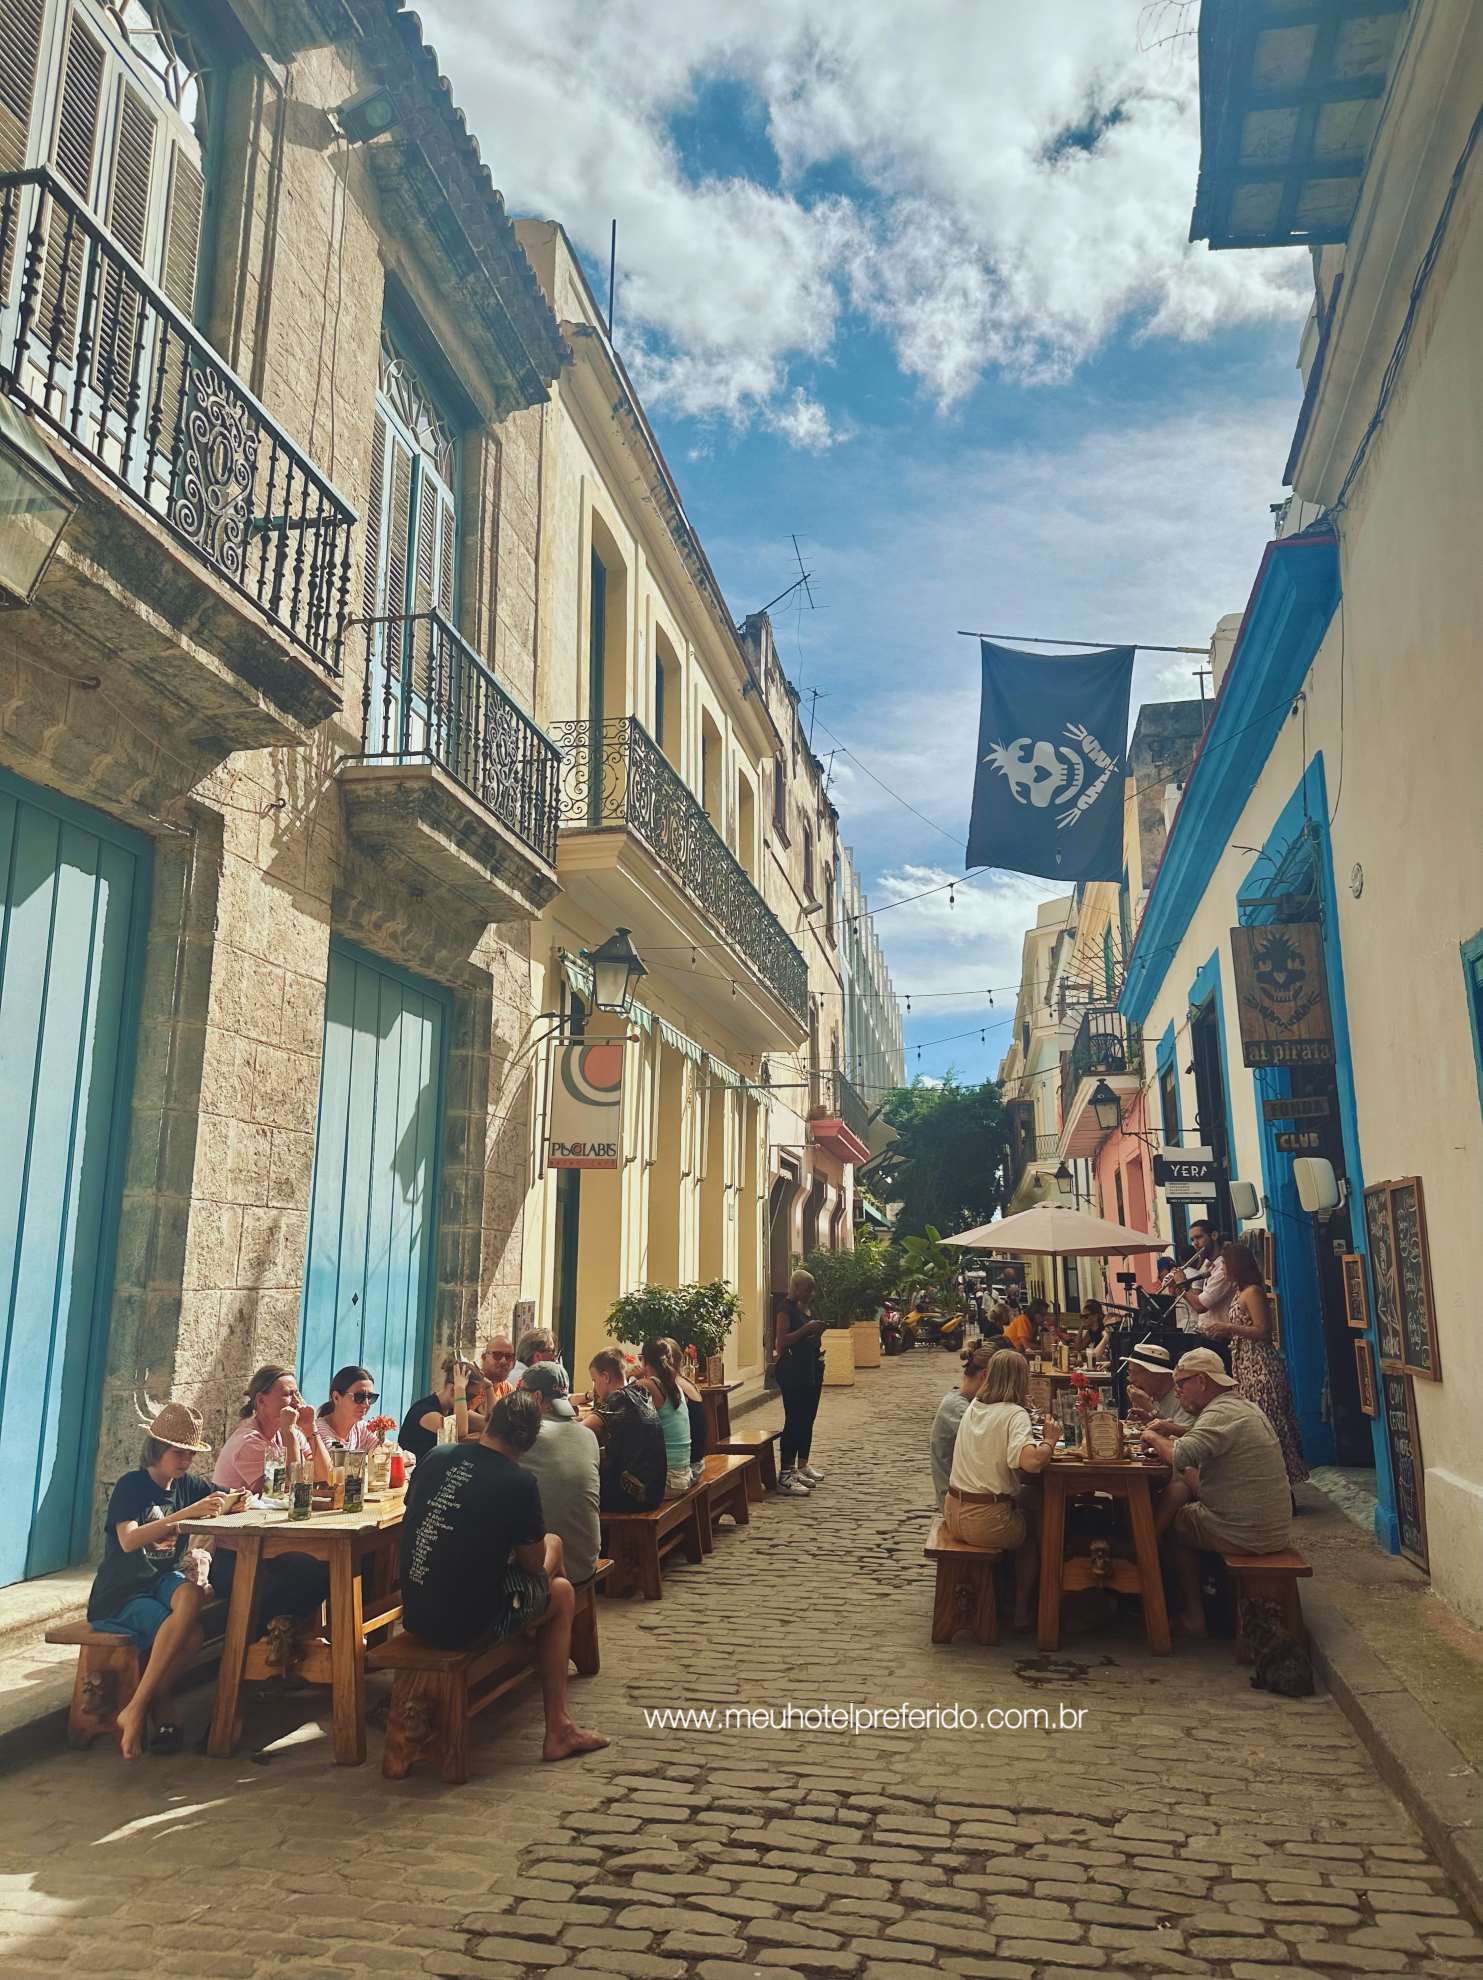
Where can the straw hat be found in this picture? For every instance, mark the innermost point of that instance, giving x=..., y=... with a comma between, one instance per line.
x=178, y=1425
x=1152, y=1356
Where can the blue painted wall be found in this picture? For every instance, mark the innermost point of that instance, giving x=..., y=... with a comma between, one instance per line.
x=74, y=897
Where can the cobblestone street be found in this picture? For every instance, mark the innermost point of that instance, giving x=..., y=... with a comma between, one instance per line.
x=1191, y=1825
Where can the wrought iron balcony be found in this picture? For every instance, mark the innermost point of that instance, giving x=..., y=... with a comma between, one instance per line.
x=834, y=1098
x=614, y=777
x=429, y=698
x=92, y=348
x=1106, y=1046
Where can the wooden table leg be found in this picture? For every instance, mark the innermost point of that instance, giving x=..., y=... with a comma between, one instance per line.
x=223, y=1740
x=723, y=1420
x=347, y=1660
x=1052, y=1552
x=1146, y=1547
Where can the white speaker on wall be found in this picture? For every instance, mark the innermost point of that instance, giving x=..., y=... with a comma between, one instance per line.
x=1245, y=1202
x=1317, y=1185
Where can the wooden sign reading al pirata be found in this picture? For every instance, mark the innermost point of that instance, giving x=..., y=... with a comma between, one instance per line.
x=1282, y=995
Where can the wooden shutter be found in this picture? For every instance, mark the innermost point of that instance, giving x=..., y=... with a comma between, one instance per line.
x=74, y=148
x=398, y=525
x=185, y=205
x=370, y=570
x=20, y=50
x=424, y=580
x=126, y=215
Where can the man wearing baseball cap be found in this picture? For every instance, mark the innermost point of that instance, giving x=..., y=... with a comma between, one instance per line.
x=1239, y=1498
x=1152, y=1397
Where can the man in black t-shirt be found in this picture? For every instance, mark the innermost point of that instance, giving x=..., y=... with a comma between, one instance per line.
x=476, y=1559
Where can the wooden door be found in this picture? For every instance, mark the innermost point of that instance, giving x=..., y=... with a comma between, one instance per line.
x=75, y=896
x=369, y=1275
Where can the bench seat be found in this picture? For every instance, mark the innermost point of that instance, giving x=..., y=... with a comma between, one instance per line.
x=639, y=1541
x=435, y=1693
x=1270, y=1578
x=726, y=1490
x=109, y=1667
x=762, y=1445
x=964, y=1596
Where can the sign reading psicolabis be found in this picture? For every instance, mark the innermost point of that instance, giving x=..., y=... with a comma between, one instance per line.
x=586, y=1123
x=1282, y=995
x=1188, y=1175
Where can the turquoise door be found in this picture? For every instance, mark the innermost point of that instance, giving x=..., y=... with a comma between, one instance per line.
x=75, y=896
x=368, y=1281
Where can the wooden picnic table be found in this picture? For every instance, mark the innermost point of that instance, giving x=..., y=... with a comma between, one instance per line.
x=717, y=1399
x=1070, y=1476
x=343, y=1541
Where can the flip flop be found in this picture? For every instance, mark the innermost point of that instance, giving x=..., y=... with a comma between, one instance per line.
x=166, y=1738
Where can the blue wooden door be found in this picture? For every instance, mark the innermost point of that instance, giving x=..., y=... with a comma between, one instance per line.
x=75, y=895
x=368, y=1281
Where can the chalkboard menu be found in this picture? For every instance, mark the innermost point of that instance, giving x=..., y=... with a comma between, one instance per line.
x=1405, y=1307
x=1406, y=1465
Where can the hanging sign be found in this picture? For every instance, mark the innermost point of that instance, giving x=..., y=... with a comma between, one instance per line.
x=1282, y=995
x=586, y=1105
x=1188, y=1175
x=1052, y=747
x=1298, y=1107
x=1299, y=1141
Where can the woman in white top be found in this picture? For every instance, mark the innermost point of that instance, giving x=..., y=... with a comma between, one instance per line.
x=994, y=1453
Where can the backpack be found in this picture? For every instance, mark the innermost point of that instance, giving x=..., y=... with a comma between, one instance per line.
x=634, y=1465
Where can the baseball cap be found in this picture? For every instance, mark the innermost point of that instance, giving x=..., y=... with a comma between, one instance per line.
x=547, y=1380
x=1205, y=1361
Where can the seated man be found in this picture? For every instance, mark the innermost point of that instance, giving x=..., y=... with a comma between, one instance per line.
x=634, y=1464
x=1152, y=1397
x=424, y=1419
x=1239, y=1498
x=1020, y=1331
x=535, y=1345
x=564, y=1462
x=950, y=1413
x=497, y=1361
x=476, y=1559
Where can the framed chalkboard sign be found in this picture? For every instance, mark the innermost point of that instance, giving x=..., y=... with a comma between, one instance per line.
x=1414, y=1275
x=1399, y=1398
x=1356, y=1305
x=1383, y=1270
x=1364, y=1374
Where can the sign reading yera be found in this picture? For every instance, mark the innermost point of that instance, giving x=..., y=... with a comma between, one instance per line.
x=1282, y=995
x=586, y=1105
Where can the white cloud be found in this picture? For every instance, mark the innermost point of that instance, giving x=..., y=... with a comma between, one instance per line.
x=1019, y=182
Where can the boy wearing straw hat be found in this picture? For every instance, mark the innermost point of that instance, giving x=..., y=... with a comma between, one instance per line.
x=139, y=1590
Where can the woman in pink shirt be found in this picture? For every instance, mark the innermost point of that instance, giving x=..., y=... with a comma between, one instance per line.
x=346, y=1418
x=276, y=1422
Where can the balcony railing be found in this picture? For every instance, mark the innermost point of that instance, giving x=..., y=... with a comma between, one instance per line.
x=1027, y=1149
x=835, y=1099
x=429, y=698
x=1105, y=1043
x=614, y=776
x=92, y=348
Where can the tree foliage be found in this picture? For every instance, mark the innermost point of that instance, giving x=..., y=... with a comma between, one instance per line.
x=850, y=1285
x=949, y=1165
x=698, y=1316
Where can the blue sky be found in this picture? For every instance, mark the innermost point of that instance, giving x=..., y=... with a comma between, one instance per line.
x=915, y=285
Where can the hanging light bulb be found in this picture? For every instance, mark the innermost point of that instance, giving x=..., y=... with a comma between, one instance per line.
x=951, y=896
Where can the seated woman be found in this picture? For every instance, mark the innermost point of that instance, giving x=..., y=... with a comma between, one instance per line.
x=694, y=1409
x=993, y=1456
x=1094, y=1340
x=950, y=1415
x=661, y=1377
x=140, y=1590
x=420, y=1426
x=1020, y=1329
x=275, y=1422
x=346, y=1418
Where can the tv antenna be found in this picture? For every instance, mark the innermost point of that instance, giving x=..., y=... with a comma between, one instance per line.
x=800, y=583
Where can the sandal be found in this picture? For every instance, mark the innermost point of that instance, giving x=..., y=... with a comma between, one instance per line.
x=166, y=1738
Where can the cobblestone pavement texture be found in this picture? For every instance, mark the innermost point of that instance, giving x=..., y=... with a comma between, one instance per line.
x=1193, y=1826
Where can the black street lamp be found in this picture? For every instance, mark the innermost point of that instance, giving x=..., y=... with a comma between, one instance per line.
x=616, y=969
x=1106, y=1106
x=1064, y=1180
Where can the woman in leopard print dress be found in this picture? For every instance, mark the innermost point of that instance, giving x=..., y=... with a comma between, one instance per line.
x=1256, y=1360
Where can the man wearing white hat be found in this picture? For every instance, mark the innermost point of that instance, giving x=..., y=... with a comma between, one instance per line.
x=1152, y=1397
x=140, y=1590
x=1240, y=1501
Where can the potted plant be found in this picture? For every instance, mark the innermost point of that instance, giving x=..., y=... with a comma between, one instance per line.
x=699, y=1316
x=926, y=1262
x=848, y=1289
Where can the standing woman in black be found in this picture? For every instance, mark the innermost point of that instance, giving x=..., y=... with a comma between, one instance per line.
x=800, y=1371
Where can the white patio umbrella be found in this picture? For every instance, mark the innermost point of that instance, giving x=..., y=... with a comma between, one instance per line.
x=1048, y=1230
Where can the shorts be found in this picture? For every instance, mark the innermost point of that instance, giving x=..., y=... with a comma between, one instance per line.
x=142, y=1615
x=523, y=1601
x=1200, y=1527
x=677, y=1481
x=998, y=1526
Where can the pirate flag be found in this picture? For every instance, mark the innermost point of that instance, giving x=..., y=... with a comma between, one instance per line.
x=1052, y=748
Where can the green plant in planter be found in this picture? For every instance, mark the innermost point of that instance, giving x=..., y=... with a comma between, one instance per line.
x=850, y=1285
x=927, y=1261
x=698, y=1316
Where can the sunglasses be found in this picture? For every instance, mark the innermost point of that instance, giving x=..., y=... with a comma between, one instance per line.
x=499, y=1354
x=365, y=1395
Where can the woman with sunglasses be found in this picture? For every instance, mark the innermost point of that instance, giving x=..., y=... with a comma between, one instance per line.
x=346, y=1418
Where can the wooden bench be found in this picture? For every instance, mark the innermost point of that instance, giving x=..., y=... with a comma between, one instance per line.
x=1270, y=1578
x=724, y=1489
x=762, y=1445
x=964, y=1598
x=109, y=1667
x=639, y=1541
x=435, y=1693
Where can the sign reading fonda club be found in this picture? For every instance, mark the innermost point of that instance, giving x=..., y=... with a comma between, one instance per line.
x=1282, y=995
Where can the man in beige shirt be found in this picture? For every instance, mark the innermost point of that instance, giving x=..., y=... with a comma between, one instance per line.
x=1152, y=1397
x=1238, y=1498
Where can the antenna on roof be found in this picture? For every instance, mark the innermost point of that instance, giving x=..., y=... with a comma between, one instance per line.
x=803, y=576
x=612, y=274
x=800, y=583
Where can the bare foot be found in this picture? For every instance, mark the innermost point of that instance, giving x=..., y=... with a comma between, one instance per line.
x=569, y=1740
x=1191, y=1627
x=131, y=1732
